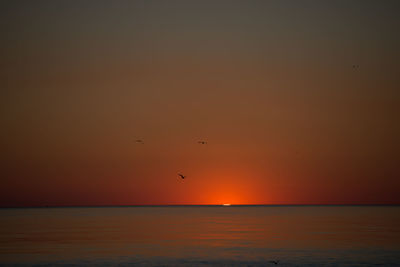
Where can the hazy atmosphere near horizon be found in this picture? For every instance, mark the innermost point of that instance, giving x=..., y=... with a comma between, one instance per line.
x=105, y=102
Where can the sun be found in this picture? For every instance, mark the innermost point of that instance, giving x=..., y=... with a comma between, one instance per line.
x=226, y=204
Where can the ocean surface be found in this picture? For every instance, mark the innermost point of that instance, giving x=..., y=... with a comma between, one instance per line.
x=201, y=236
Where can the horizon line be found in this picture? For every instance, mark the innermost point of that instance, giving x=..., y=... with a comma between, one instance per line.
x=192, y=205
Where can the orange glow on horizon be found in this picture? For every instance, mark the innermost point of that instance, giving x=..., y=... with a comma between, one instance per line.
x=234, y=186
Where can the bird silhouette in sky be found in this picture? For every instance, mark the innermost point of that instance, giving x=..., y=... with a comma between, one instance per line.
x=274, y=262
x=356, y=66
x=139, y=141
x=182, y=176
x=202, y=142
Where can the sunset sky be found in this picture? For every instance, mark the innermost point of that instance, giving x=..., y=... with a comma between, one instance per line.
x=299, y=102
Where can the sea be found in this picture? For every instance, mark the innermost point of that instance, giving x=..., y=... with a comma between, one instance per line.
x=201, y=236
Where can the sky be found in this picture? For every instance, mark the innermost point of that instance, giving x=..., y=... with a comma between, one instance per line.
x=298, y=101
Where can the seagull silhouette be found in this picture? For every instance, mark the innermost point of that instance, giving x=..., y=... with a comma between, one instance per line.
x=202, y=142
x=182, y=176
x=139, y=141
x=274, y=262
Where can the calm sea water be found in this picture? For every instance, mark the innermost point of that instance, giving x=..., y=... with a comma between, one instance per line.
x=202, y=236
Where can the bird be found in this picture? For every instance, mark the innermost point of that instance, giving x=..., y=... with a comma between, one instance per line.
x=182, y=176
x=274, y=262
x=139, y=141
x=202, y=142
x=356, y=66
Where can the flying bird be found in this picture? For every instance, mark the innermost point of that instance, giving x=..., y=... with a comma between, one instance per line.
x=139, y=141
x=274, y=262
x=202, y=142
x=182, y=176
x=356, y=66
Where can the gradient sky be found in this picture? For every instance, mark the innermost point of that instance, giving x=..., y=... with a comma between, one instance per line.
x=269, y=84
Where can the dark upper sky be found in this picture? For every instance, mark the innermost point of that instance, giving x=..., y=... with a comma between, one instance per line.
x=299, y=102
